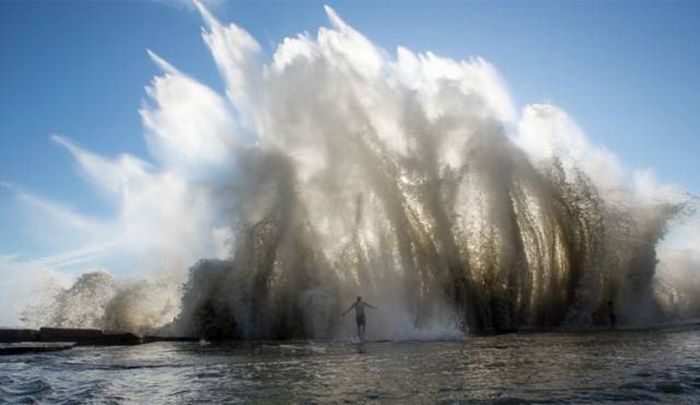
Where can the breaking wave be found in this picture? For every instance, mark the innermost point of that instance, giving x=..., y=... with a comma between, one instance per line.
x=341, y=170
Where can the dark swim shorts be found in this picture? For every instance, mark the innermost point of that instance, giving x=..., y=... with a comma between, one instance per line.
x=360, y=319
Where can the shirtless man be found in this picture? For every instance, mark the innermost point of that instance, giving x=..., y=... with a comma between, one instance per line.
x=359, y=307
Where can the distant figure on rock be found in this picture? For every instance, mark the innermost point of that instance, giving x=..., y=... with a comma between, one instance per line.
x=359, y=307
x=613, y=319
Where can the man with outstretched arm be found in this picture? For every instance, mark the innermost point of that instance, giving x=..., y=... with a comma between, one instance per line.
x=359, y=307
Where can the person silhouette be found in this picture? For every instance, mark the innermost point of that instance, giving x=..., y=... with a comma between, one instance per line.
x=360, y=318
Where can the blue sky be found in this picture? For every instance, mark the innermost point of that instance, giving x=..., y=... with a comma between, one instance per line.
x=627, y=72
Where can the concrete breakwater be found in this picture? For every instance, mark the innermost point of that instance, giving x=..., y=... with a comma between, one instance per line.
x=91, y=337
x=32, y=340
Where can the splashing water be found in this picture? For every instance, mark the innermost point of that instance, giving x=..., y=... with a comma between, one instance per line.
x=405, y=180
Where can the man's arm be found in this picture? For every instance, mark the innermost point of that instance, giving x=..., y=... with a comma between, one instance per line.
x=370, y=305
x=349, y=309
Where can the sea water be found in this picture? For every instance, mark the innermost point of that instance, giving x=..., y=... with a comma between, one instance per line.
x=625, y=367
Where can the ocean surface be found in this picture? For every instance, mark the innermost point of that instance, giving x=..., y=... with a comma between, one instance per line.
x=605, y=367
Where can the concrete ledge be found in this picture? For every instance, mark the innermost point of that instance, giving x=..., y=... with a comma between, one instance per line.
x=33, y=347
x=18, y=335
x=83, y=337
x=152, y=339
x=93, y=337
